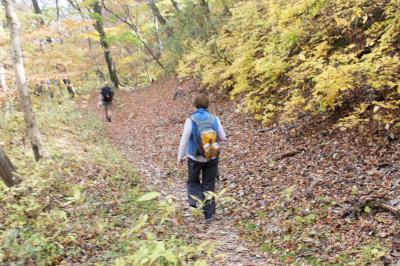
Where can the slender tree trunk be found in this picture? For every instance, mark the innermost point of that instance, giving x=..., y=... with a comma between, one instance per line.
x=24, y=97
x=158, y=37
x=206, y=10
x=36, y=7
x=37, y=10
x=156, y=12
x=4, y=87
x=3, y=82
x=107, y=54
x=7, y=170
x=1, y=22
x=99, y=73
x=175, y=5
x=146, y=46
x=58, y=12
x=134, y=28
x=58, y=20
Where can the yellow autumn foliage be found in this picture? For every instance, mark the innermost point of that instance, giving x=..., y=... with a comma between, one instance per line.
x=296, y=56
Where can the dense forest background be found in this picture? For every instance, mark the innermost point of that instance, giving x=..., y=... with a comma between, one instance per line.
x=291, y=58
x=319, y=79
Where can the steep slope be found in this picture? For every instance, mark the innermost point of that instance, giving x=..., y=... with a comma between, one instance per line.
x=306, y=57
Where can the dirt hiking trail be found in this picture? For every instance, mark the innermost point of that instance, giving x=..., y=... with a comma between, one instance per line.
x=298, y=186
x=147, y=125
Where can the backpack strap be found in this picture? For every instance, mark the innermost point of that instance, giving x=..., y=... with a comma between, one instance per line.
x=197, y=121
x=193, y=119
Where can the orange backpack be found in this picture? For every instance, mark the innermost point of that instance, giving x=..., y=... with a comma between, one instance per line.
x=207, y=137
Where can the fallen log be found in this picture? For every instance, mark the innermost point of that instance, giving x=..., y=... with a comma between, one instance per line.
x=7, y=170
x=373, y=204
x=379, y=204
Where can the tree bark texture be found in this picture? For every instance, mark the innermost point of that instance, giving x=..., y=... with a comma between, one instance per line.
x=99, y=73
x=158, y=38
x=3, y=82
x=175, y=5
x=24, y=97
x=97, y=8
x=7, y=170
x=156, y=12
x=38, y=11
x=36, y=7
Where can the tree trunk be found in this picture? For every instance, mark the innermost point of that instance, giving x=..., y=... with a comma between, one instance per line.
x=158, y=38
x=58, y=13
x=136, y=31
x=156, y=12
x=99, y=74
x=175, y=5
x=3, y=82
x=107, y=54
x=7, y=170
x=206, y=10
x=36, y=7
x=38, y=11
x=58, y=20
x=24, y=97
x=1, y=23
x=3, y=53
x=4, y=86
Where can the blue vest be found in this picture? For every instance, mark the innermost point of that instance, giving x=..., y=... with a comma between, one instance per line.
x=200, y=114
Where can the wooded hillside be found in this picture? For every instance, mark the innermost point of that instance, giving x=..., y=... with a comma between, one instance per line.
x=307, y=90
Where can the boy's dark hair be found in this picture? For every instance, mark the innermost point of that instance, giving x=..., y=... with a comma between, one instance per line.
x=201, y=100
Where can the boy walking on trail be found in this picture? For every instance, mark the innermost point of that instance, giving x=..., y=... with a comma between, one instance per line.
x=201, y=134
x=105, y=98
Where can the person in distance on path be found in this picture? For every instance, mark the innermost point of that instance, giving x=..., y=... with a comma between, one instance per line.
x=105, y=98
x=200, y=143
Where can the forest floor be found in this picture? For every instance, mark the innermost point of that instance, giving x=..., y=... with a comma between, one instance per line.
x=147, y=125
x=305, y=192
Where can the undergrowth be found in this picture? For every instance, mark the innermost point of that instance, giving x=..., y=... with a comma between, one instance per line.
x=85, y=204
x=308, y=57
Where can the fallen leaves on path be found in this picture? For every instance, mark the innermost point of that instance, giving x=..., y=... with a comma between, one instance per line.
x=300, y=189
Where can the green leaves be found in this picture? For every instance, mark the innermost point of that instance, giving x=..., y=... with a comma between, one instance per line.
x=120, y=34
x=77, y=196
x=140, y=224
x=303, y=56
x=367, y=209
x=148, y=196
x=87, y=197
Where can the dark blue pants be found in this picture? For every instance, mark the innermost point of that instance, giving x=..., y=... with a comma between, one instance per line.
x=197, y=187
